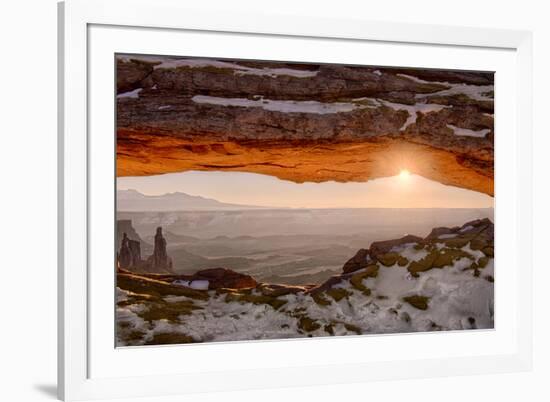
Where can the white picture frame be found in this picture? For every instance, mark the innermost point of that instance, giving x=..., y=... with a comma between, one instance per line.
x=88, y=368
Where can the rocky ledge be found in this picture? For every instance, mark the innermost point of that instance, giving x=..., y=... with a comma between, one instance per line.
x=304, y=122
x=441, y=282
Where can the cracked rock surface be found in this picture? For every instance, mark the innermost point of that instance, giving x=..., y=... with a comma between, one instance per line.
x=304, y=122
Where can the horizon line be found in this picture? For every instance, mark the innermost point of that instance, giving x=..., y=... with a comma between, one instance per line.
x=260, y=208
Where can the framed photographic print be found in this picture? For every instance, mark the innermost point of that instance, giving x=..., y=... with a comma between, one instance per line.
x=320, y=197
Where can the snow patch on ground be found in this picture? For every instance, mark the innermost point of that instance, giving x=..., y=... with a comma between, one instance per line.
x=412, y=110
x=128, y=320
x=409, y=252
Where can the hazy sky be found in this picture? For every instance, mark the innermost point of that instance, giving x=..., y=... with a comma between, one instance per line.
x=403, y=191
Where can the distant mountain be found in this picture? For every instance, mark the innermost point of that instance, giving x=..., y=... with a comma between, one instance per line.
x=134, y=201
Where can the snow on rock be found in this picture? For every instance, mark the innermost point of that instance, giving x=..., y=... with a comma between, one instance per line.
x=409, y=252
x=476, y=92
x=121, y=295
x=235, y=321
x=420, y=80
x=288, y=106
x=129, y=322
x=167, y=62
x=292, y=106
x=469, y=133
x=447, y=236
x=285, y=106
x=275, y=72
x=130, y=94
x=198, y=284
x=413, y=109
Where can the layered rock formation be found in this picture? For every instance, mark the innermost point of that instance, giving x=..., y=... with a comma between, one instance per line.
x=129, y=254
x=304, y=122
x=217, y=278
x=125, y=227
x=160, y=261
x=441, y=247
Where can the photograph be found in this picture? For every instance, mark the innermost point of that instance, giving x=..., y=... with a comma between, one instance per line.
x=261, y=200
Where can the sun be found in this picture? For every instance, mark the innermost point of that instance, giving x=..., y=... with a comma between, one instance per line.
x=404, y=174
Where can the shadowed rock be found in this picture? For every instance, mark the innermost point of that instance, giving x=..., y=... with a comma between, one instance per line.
x=358, y=261
x=124, y=226
x=382, y=247
x=160, y=261
x=217, y=278
x=477, y=234
x=129, y=254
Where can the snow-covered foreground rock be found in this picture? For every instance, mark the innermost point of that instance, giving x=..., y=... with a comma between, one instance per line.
x=442, y=282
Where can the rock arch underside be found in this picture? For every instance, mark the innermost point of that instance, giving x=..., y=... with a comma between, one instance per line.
x=304, y=122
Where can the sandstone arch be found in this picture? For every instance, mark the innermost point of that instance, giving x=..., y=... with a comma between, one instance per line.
x=176, y=117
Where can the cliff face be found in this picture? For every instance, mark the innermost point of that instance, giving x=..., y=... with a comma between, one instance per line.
x=124, y=226
x=130, y=253
x=304, y=122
